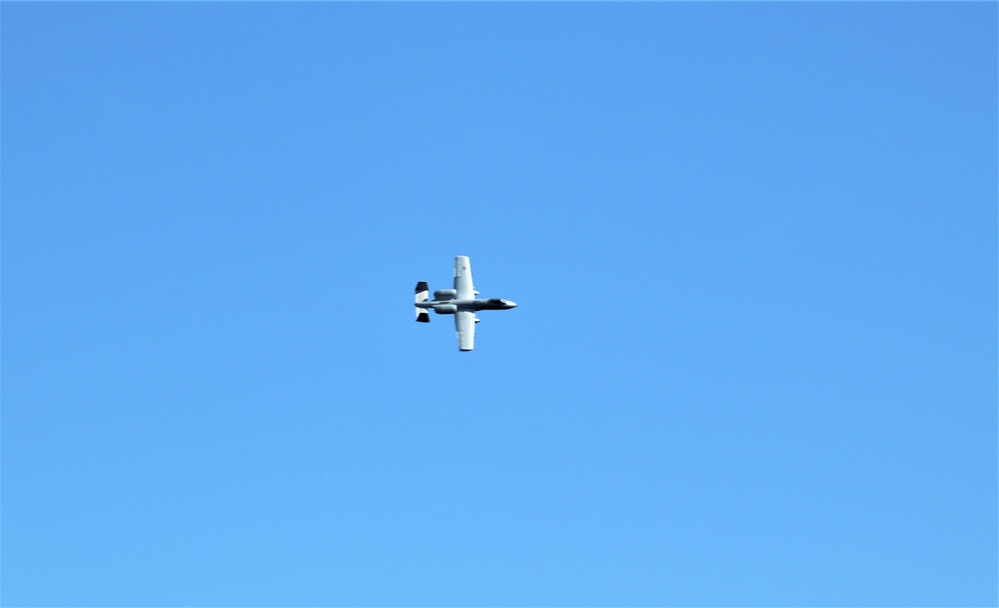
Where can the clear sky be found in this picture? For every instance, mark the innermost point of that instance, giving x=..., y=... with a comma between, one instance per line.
x=754, y=248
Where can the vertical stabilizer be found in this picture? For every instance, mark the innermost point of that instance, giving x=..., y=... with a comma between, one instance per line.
x=422, y=294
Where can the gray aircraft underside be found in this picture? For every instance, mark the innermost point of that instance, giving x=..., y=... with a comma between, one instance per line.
x=460, y=302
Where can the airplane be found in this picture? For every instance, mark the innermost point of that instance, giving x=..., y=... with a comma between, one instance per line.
x=460, y=302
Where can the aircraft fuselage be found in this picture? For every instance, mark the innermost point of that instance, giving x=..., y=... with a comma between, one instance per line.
x=449, y=307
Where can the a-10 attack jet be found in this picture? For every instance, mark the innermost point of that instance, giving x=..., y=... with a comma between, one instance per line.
x=459, y=302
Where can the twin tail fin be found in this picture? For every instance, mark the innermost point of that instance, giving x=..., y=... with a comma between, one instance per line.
x=422, y=295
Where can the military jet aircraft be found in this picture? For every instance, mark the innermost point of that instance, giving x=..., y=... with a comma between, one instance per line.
x=460, y=302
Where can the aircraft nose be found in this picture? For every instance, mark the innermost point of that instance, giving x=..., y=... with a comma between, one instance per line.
x=511, y=304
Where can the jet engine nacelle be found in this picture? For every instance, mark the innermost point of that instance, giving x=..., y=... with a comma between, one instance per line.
x=445, y=294
x=446, y=309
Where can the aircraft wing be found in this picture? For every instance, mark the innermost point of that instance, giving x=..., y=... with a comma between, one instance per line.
x=463, y=278
x=464, y=322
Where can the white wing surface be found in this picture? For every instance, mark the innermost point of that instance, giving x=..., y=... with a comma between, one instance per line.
x=464, y=322
x=463, y=279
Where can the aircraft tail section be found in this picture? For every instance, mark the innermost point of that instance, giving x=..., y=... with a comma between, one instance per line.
x=422, y=294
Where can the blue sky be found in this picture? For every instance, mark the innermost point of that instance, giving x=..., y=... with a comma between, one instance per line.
x=754, y=248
